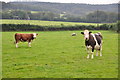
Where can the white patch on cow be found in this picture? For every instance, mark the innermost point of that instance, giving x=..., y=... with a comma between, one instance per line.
x=34, y=35
x=97, y=34
x=97, y=46
x=86, y=35
x=89, y=47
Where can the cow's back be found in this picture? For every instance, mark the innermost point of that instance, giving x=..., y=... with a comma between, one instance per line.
x=23, y=37
x=99, y=38
x=26, y=37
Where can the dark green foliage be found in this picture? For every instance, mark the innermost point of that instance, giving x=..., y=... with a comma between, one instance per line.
x=101, y=16
x=28, y=27
x=15, y=14
x=103, y=27
x=94, y=17
x=115, y=27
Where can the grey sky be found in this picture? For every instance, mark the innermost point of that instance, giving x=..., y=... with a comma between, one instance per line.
x=73, y=1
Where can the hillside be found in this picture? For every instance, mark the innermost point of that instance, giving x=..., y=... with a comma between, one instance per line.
x=69, y=8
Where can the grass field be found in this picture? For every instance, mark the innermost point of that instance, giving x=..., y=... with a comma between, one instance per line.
x=0, y=52
x=44, y=23
x=58, y=55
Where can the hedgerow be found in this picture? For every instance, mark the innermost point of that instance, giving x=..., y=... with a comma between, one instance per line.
x=28, y=27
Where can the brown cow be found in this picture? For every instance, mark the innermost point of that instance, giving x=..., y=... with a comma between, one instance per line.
x=24, y=37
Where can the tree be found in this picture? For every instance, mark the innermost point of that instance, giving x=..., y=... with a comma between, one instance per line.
x=101, y=17
x=20, y=14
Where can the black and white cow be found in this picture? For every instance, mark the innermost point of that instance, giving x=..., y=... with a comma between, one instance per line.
x=93, y=41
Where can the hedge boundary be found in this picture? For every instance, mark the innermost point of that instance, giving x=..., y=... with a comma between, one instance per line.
x=28, y=27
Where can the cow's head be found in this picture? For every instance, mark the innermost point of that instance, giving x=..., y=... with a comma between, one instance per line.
x=34, y=35
x=86, y=34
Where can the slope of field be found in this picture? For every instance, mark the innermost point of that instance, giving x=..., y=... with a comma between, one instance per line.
x=43, y=23
x=58, y=55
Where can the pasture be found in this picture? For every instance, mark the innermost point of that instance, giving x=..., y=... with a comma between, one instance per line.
x=58, y=55
x=44, y=23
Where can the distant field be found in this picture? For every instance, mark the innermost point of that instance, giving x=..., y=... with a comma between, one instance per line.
x=43, y=23
x=35, y=11
x=58, y=55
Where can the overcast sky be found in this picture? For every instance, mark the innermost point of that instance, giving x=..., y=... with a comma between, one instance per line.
x=73, y=1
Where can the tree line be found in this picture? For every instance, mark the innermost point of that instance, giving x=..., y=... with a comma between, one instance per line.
x=93, y=17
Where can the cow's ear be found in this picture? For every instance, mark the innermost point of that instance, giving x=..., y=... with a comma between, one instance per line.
x=37, y=34
x=90, y=32
x=82, y=32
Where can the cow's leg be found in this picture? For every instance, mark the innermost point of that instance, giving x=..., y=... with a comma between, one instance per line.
x=96, y=52
x=88, y=53
x=92, y=53
x=29, y=44
x=101, y=50
x=88, y=56
x=16, y=43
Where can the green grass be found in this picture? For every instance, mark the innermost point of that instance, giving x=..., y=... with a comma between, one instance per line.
x=43, y=23
x=0, y=55
x=58, y=55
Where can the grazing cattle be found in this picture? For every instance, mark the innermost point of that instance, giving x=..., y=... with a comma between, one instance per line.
x=93, y=41
x=73, y=34
x=24, y=37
